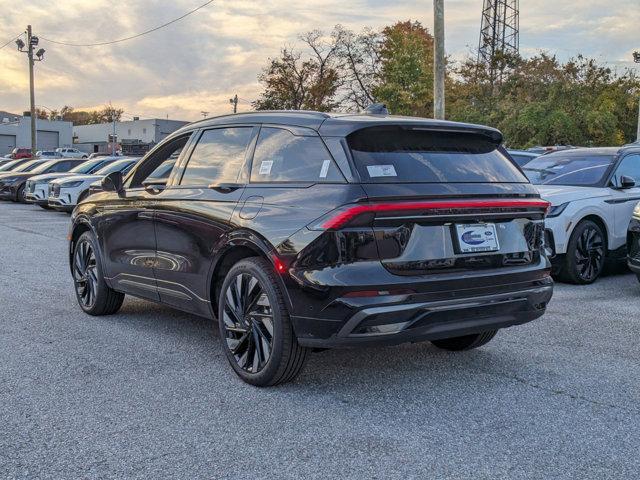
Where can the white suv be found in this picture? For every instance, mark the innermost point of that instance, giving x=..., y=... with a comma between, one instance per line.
x=67, y=152
x=592, y=192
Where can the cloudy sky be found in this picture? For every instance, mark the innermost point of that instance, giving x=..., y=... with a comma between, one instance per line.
x=198, y=63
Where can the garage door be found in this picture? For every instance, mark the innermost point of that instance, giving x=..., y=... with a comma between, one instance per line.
x=7, y=143
x=47, y=140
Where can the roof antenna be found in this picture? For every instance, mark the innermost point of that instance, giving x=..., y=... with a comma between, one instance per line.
x=377, y=109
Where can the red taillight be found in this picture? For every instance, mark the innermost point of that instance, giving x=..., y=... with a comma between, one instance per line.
x=344, y=216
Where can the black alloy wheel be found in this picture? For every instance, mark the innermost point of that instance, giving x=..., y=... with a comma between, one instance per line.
x=255, y=327
x=248, y=323
x=586, y=254
x=94, y=296
x=84, y=273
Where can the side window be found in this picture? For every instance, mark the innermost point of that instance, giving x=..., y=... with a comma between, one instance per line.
x=166, y=154
x=218, y=157
x=59, y=167
x=629, y=167
x=281, y=156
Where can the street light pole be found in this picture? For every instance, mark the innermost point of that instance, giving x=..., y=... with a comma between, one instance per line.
x=438, y=61
x=32, y=95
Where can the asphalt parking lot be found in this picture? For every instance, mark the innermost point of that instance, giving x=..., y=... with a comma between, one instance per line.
x=147, y=393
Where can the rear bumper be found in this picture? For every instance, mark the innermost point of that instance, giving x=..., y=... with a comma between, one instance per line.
x=450, y=308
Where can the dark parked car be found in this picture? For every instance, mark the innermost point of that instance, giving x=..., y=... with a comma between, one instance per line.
x=303, y=230
x=13, y=183
x=633, y=242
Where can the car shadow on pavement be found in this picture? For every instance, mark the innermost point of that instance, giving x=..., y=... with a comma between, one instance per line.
x=340, y=369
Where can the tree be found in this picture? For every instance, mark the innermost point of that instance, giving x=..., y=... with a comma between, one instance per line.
x=405, y=82
x=292, y=82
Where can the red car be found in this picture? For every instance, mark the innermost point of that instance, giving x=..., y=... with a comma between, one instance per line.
x=18, y=153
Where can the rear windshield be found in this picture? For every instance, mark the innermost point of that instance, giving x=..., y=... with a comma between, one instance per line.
x=28, y=166
x=398, y=155
x=575, y=170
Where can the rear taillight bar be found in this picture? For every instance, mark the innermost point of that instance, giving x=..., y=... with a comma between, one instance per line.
x=343, y=216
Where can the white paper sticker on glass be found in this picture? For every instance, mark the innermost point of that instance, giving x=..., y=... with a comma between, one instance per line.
x=265, y=167
x=381, y=171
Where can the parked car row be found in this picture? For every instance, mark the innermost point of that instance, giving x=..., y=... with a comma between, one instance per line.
x=307, y=230
x=56, y=183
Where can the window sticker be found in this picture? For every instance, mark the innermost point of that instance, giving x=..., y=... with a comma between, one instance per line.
x=381, y=171
x=325, y=168
x=265, y=167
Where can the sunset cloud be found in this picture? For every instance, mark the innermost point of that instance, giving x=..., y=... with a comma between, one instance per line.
x=200, y=62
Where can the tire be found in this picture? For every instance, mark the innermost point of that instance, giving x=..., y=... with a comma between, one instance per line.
x=92, y=292
x=20, y=195
x=466, y=342
x=586, y=252
x=258, y=339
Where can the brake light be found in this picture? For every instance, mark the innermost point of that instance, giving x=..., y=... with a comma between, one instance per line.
x=348, y=213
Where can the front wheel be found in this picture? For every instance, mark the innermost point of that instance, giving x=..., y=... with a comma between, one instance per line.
x=94, y=296
x=466, y=342
x=585, y=256
x=255, y=328
x=21, y=194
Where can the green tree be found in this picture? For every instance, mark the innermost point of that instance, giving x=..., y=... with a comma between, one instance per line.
x=405, y=82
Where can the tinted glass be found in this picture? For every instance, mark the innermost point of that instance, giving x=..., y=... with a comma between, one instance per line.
x=118, y=166
x=28, y=166
x=164, y=169
x=521, y=159
x=9, y=165
x=62, y=166
x=281, y=156
x=559, y=169
x=629, y=167
x=398, y=155
x=46, y=167
x=87, y=167
x=218, y=156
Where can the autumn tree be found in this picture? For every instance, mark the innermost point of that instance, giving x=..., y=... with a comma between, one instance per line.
x=297, y=81
x=405, y=82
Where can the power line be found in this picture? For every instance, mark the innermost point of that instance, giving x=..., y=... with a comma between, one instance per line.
x=12, y=40
x=127, y=38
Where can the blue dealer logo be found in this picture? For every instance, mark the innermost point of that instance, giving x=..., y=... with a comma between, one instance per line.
x=471, y=238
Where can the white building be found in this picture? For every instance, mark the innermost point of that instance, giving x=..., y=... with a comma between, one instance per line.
x=135, y=136
x=15, y=131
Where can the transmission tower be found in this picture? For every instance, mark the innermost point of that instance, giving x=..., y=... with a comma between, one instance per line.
x=499, y=35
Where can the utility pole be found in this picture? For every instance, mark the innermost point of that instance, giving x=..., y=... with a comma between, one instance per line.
x=32, y=41
x=636, y=58
x=438, y=61
x=32, y=95
x=234, y=101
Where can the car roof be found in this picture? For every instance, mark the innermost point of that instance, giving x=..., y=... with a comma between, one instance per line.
x=595, y=151
x=523, y=152
x=338, y=124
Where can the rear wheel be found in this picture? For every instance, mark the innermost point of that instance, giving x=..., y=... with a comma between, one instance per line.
x=585, y=256
x=466, y=342
x=255, y=329
x=93, y=294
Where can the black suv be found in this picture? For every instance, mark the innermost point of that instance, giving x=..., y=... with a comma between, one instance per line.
x=303, y=230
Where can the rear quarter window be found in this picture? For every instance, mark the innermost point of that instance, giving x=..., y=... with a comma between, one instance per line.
x=398, y=155
x=281, y=156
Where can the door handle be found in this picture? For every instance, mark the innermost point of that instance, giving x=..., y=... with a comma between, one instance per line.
x=225, y=187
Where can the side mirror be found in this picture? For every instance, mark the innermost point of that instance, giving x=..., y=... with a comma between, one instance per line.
x=113, y=183
x=627, y=182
